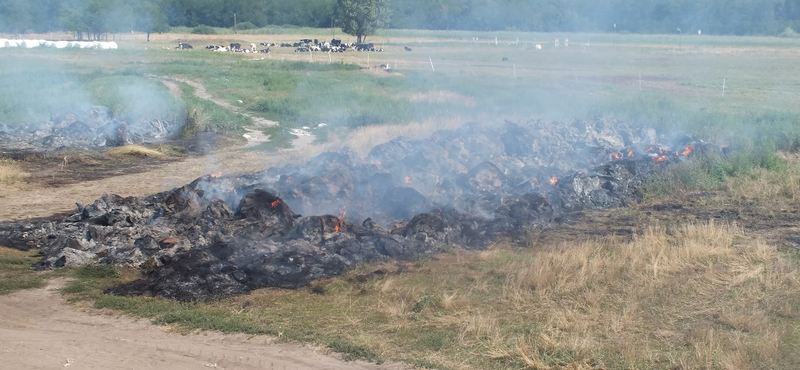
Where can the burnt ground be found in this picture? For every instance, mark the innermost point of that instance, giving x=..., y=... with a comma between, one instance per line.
x=775, y=225
x=59, y=169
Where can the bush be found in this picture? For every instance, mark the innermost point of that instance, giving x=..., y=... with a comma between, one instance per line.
x=204, y=30
x=246, y=26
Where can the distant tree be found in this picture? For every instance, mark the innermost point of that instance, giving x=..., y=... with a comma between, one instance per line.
x=361, y=18
x=15, y=16
x=149, y=17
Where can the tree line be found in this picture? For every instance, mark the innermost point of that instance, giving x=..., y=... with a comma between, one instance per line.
x=98, y=17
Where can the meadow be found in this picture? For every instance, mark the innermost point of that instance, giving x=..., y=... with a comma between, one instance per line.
x=668, y=291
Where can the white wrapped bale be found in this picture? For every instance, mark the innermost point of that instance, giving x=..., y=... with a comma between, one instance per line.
x=3, y=43
x=72, y=44
x=60, y=44
x=112, y=45
x=12, y=43
x=29, y=44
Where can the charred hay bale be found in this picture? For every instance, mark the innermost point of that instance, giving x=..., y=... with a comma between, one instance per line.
x=402, y=203
x=517, y=212
x=189, y=276
x=268, y=210
x=485, y=177
x=319, y=229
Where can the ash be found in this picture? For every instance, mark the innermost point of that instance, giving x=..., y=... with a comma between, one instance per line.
x=464, y=188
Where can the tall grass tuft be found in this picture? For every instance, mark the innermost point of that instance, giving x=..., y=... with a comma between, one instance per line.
x=11, y=173
x=195, y=123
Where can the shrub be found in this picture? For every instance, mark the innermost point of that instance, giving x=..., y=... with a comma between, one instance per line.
x=204, y=30
x=246, y=26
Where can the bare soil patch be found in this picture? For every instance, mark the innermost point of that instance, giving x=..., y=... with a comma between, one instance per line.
x=38, y=330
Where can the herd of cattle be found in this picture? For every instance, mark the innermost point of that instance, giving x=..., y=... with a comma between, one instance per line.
x=304, y=45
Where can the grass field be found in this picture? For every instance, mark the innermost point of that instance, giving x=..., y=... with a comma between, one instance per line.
x=684, y=292
x=639, y=79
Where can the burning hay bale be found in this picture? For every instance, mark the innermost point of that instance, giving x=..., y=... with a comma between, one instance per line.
x=466, y=188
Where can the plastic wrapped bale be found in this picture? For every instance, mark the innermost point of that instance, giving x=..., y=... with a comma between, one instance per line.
x=60, y=44
x=30, y=44
x=3, y=43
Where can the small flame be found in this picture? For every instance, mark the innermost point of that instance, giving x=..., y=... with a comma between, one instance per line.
x=650, y=150
x=615, y=155
x=276, y=203
x=342, y=215
x=553, y=180
x=535, y=180
x=216, y=175
x=688, y=150
x=289, y=179
x=660, y=158
x=630, y=152
x=408, y=180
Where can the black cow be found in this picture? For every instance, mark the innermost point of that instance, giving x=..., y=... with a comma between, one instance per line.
x=407, y=48
x=183, y=45
x=235, y=46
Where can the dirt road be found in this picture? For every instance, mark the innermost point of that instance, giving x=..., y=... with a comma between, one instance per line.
x=39, y=330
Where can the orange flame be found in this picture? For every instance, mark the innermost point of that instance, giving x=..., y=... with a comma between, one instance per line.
x=688, y=150
x=553, y=180
x=650, y=150
x=615, y=155
x=216, y=175
x=276, y=203
x=408, y=180
x=660, y=158
x=288, y=179
x=340, y=223
x=630, y=152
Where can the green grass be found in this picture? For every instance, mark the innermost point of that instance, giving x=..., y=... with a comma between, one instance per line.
x=15, y=272
x=681, y=89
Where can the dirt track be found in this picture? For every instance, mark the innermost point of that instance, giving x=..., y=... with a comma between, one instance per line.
x=38, y=330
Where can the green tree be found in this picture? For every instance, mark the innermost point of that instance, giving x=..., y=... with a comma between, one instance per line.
x=149, y=17
x=361, y=18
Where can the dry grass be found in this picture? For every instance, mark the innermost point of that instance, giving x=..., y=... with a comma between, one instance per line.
x=765, y=188
x=135, y=151
x=693, y=296
x=364, y=138
x=11, y=173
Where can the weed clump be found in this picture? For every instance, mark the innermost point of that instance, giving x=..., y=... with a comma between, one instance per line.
x=195, y=123
x=204, y=30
